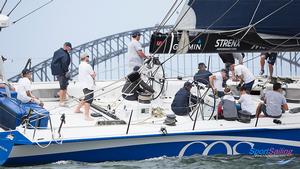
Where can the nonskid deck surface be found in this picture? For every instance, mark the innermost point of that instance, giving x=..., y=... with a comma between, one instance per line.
x=141, y=124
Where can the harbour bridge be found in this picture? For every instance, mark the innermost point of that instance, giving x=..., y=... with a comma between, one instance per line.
x=109, y=54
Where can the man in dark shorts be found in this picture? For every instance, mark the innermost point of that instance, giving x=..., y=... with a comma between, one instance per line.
x=86, y=77
x=59, y=67
x=271, y=57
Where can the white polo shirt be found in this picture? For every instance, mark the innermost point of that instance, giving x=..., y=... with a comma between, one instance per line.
x=218, y=81
x=243, y=70
x=247, y=104
x=133, y=58
x=84, y=77
x=24, y=85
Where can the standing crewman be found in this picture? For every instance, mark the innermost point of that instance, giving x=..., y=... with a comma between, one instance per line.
x=86, y=78
x=136, y=55
x=271, y=58
x=229, y=59
x=59, y=67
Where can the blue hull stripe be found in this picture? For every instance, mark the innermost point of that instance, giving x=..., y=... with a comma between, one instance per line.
x=139, y=152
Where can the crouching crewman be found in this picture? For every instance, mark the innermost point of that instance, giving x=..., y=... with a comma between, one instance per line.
x=181, y=103
x=134, y=85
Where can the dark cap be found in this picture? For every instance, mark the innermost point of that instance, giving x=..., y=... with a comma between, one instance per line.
x=25, y=71
x=188, y=84
x=202, y=65
x=68, y=44
x=136, y=33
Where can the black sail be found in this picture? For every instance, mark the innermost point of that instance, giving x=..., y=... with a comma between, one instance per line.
x=234, y=26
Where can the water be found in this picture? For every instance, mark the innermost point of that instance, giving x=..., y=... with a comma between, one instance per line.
x=192, y=162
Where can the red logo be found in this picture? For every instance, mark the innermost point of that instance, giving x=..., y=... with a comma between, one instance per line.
x=159, y=43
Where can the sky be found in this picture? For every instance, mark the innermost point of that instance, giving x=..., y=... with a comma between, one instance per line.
x=78, y=21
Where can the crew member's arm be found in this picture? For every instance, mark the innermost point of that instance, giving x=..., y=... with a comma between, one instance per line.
x=65, y=62
x=29, y=94
x=238, y=73
x=27, y=86
x=139, y=50
x=284, y=105
x=91, y=72
x=212, y=78
x=142, y=54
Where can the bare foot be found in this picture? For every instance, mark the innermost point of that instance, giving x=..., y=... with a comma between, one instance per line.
x=88, y=118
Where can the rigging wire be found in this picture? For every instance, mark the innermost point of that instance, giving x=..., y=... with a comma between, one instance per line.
x=169, y=17
x=255, y=12
x=165, y=18
x=264, y=18
x=14, y=7
x=3, y=6
x=14, y=22
x=162, y=44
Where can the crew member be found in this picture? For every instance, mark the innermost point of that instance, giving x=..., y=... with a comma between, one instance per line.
x=181, y=103
x=134, y=85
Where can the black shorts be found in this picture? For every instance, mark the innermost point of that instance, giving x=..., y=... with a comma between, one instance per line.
x=88, y=95
x=271, y=57
x=63, y=82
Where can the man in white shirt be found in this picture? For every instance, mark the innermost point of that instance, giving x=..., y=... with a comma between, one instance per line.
x=216, y=82
x=86, y=78
x=24, y=89
x=136, y=55
x=244, y=74
x=274, y=103
x=247, y=104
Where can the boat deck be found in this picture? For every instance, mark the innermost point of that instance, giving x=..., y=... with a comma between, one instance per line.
x=142, y=123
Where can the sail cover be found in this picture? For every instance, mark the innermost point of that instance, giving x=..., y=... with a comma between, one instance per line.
x=276, y=17
x=216, y=26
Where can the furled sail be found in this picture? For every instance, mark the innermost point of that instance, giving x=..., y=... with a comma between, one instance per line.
x=234, y=26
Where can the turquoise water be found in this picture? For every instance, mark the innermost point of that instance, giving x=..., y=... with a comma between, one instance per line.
x=192, y=162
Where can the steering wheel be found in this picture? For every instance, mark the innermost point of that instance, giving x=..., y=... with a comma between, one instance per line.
x=154, y=75
x=206, y=104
